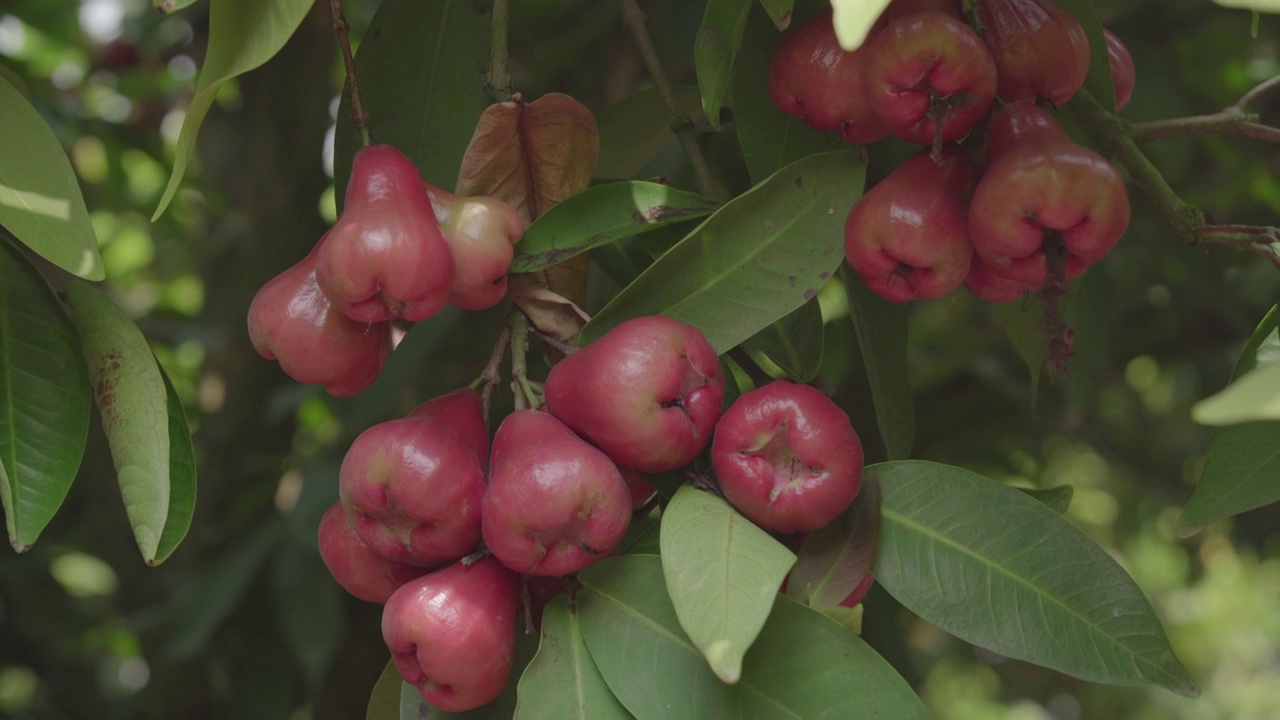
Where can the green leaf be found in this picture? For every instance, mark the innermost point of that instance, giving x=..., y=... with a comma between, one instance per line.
x=1057, y=499
x=1241, y=466
x=600, y=215
x=1098, y=82
x=384, y=700
x=182, y=475
x=563, y=681
x=756, y=259
x=635, y=129
x=716, y=49
x=881, y=327
x=853, y=20
x=1253, y=396
x=40, y=199
x=130, y=393
x=44, y=400
x=1021, y=320
x=835, y=559
x=243, y=34
x=641, y=537
x=779, y=12
x=770, y=138
x=503, y=707
x=802, y=665
x=723, y=573
x=310, y=608
x=422, y=79
x=998, y=569
x=793, y=343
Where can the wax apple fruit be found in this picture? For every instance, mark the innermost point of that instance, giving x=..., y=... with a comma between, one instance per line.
x=554, y=504
x=452, y=633
x=1041, y=186
x=413, y=488
x=1040, y=49
x=386, y=256
x=985, y=284
x=787, y=458
x=1123, y=74
x=462, y=411
x=359, y=570
x=481, y=232
x=648, y=393
x=291, y=321
x=908, y=237
x=925, y=70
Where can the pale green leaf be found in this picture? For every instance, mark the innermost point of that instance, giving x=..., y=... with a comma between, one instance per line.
x=1254, y=396
x=853, y=20
x=1265, y=6
x=182, y=476
x=384, y=700
x=562, y=682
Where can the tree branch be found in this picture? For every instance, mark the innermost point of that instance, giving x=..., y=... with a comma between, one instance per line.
x=499, y=75
x=1233, y=121
x=358, y=115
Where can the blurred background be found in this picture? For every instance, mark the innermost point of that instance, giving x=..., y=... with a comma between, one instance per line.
x=244, y=620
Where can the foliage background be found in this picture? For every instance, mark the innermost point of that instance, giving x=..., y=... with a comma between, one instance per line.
x=244, y=621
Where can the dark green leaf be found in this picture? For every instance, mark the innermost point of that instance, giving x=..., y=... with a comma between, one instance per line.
x=1242, y=466
x=770, y=138
x=716, y=49
x=44, y=400
x=310, y=608
x=182, y=476
x=562, y=681
x=723, y=573
x=882, y=335
x=384, y=701
x=1057, y=499
x=40, y=198
x=635, y=129
x=997, y=569
x=130, y=393
x=422, y=79
x=793, y=343
x=600, y=215
x=243, y=34
x=756, y=259
x=1098, y=82
x=835, y=559
x=779, y=12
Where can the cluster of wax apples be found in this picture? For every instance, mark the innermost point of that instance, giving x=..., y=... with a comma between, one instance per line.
x=555, y=491
x=402, y=248
x=941, y=219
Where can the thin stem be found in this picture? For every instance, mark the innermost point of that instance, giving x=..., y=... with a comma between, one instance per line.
x=499, y=75
x=525, y=396
x=554, y=342
x=1233, y=121
x=492, y=374
x=358, y=115
x=1259, y=91
x=681, y=125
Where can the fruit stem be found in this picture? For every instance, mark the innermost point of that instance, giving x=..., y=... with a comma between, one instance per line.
x=1053, y=326
x=499, y=75
x=681, y=124
x=1232, y=121
x=343, y=30
x=492, y=374
x=526, y=398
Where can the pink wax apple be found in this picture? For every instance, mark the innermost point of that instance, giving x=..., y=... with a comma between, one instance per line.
x=481, y=232
x=462, y=411
x=359, y=570
x=787, y=458
x=1040, y=49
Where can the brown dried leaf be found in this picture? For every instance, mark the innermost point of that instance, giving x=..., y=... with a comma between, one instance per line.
x=550, y=312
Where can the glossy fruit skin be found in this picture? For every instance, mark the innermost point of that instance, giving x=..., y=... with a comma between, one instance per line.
x=923, y=59
x=359, y=570
x=648, y=393
x=554, y=504
x=986, y=285
x=813, y=78
x=481, y=232
x=908, y=237
x=1123, y=74
x=787, y=458
x=387, y=256
x=452, y=633
x=291, y=321
x=1040, y=49
x=413, y=490
x=462, y=411
x=1038, y=181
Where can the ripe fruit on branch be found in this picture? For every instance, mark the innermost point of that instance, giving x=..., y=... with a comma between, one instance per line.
x=928, y=70
x=1041, y=189
x=359, y=570
x=908, y=237
x=1039, y=48
x=1123, y=74
x=787, y=458
x=386, y=256
x=648, y=393
x=481, y=232
x=291, y=321
x=452, y=633
x=554, y=504
x=413, y=488
x=462, y=411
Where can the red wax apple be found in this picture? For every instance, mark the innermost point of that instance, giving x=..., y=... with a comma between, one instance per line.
x=481, y=232
x=1123, y=74
x=1040, y=49
x=985, y=284
x=359, y=570
x=462, y=411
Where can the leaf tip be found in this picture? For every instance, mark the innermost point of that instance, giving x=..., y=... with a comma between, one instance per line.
x=18, y=546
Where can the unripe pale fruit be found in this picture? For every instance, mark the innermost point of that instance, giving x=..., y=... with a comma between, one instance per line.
x=1123, y=74
x=291, y=321
x=386, y=257
x=452, y=633
x=359, y=570
x=462, y=411
x=925, y=70
x=648, y=393
x=554, y=504
x=413, y=488
x=481, y=232
x=1040, y=49
x=1041, y=186
x=985, y=284
x=908, y=237
x=787, y=458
